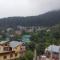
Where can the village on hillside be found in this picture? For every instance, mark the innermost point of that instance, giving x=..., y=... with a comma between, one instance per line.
x=30, y=43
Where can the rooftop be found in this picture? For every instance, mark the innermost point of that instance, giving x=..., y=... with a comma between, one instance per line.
x=26, y=38
x=13, y=44
x=53, y=48
x=3, y=42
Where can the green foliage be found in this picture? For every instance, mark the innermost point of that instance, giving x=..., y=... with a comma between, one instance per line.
x=40, y=49
x=28, y=56
x=48, y=19
x=43, y=39
x=31, y=46
x=18, y=37
x=26, y=33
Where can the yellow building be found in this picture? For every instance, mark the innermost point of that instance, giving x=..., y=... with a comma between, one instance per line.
x=11, y=50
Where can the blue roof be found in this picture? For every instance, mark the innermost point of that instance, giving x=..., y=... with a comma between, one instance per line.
x=26, y=38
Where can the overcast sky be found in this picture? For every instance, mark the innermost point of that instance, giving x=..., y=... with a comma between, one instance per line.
x=10, y=8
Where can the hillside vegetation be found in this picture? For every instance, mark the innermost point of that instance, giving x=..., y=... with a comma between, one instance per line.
x=47, y=19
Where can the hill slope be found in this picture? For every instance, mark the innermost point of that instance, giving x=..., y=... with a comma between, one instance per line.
x=48, y=19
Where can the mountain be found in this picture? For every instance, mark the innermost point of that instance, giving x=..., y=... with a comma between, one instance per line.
x=47, y=19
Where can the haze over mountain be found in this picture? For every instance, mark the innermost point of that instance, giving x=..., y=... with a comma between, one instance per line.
x=47, y=19
x=10, y=8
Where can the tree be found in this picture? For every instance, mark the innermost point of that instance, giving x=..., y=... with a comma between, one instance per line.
x=28, y=56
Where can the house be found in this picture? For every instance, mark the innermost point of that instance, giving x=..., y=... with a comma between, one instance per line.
x=18, y=32
x=18, y=47
x=53, y=52
x=11, y=50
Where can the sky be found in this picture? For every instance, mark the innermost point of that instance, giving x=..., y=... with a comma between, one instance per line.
x=9, y=8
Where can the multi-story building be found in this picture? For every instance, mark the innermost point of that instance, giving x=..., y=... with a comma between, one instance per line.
x=11, y=50
x=53, y=52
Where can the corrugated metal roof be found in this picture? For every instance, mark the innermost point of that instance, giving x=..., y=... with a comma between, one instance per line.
x=53, y=48
x=2, y=42
x=13, y=44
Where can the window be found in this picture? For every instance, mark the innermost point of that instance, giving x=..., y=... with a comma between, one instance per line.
x=5, y=57
x=10, y=49
x=6, y=44
x=5, y=48
x=11, y=55
x=21, y=48
x=15, y=54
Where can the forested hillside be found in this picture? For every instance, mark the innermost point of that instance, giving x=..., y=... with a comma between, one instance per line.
x=47, y=19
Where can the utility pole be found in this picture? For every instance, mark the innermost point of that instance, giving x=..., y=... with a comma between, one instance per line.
x=51, y=53
x=34, y=58
x=59, y=52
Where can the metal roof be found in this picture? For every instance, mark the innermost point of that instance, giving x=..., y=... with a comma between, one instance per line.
x=2, y=42
x=53, y=48
x=13, y=44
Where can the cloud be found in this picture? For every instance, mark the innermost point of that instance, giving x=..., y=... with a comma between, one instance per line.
x=27, y=7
